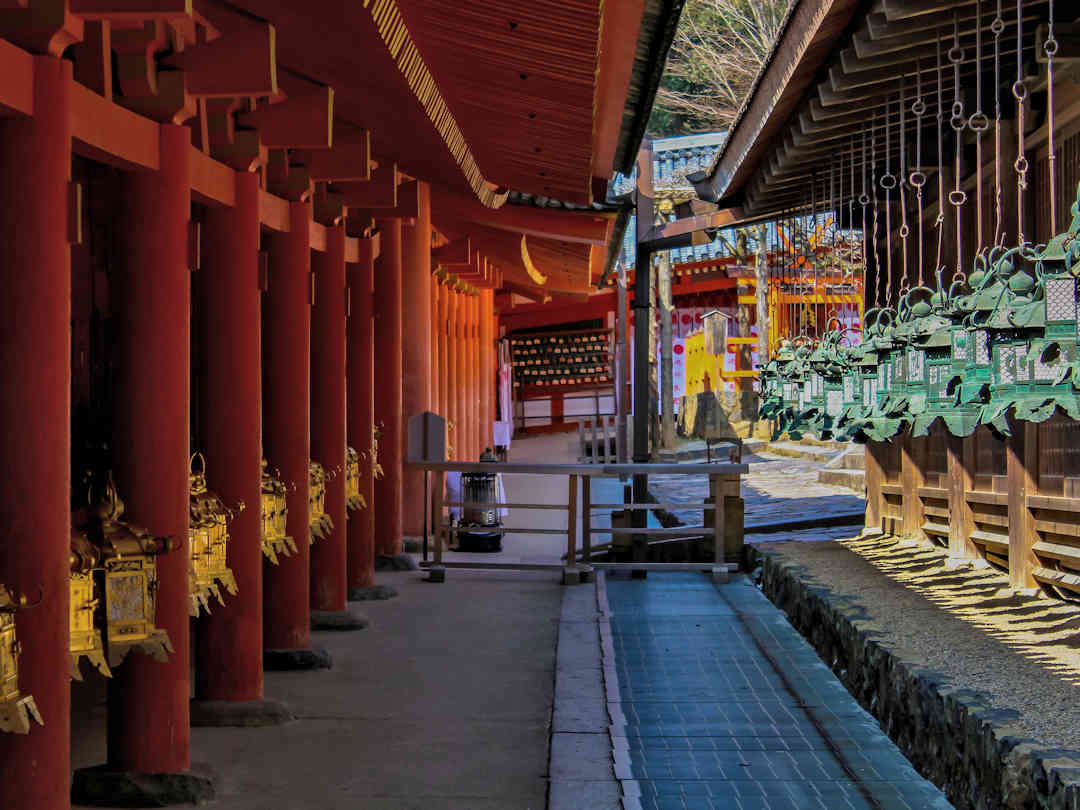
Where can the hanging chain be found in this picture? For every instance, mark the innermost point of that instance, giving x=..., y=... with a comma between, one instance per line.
x=978, y=123
x=939, y=223
x=1020, y=92
x=1050, y=48
x=905, y=231
x=864, y=200
x=878, y=277
x=888, y=182
x=957, y=197
x=917, y=179
x=997, y=27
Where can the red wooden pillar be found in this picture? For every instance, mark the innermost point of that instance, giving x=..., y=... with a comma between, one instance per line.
x=329, y=580
x=416, y=312
x=388, y=401
x=229, y=660
x=441, y=300
x=35, y=444
x=436, y=358
x=461, y=378
x=474, y=376
x=450, y=378
x=148, y=727
x=360, y=377
x=487, y=366
x=286, y=369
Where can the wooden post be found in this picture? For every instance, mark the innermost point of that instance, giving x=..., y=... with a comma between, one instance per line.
x=874, y=478
x=570, y=573
x=586, y=520
x=716, y=489
x=1022, y=462
x=912, y=477
x=960, y=481
x=437, y=571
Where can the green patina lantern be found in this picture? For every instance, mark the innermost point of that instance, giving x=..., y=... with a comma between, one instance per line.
x=884, y=413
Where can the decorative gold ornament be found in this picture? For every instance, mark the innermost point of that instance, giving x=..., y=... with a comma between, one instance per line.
x=321, y=523
x=208, y=538
x=16, y=709
x=122, y=559
x=275, y=511
x=353, y=499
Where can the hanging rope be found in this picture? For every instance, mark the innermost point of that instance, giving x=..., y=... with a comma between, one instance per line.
x=1050, y=48
x=879, y=296
x=864, y=200
x=888, y=182
x=1019, y=91
x=957, y=197
x=917, y=179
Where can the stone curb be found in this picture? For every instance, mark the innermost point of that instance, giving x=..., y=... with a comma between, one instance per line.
x=954, y=737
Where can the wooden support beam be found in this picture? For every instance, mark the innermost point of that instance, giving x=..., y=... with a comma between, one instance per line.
x=960, y=458
x=458, y=251
x=343, y=162
x=1022, y=460
x=40, y=26
x=241, y=63
x=408, y=202
x=93, y=58
x=136, y=10
x=912, y=477
x=380, y=192
x=304, y=121
x=286, y=180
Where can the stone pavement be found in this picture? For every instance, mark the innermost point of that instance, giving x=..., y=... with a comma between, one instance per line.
x=776, y=489
x=715, y=701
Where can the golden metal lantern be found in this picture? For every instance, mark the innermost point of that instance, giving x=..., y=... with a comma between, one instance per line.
x=321, y=523
x=353, y=499
x=275, y=511
x=208, y=538
x=121, y=559
x=85, y=635
x=16, y=709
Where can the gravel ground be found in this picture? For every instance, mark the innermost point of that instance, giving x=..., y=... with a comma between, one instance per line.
x=1022, y=650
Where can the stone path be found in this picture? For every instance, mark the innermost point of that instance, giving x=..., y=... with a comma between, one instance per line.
x=717, y=702
x=776, y=489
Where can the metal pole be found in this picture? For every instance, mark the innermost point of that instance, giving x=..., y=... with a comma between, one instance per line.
x=620, y=367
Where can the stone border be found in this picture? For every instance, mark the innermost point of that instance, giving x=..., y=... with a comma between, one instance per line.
x=954, y=737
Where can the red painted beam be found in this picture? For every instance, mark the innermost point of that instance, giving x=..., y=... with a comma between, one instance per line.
x=303, y=121
x=242, y=63
x=381, y=191
x=135, y=10
x=345, y=161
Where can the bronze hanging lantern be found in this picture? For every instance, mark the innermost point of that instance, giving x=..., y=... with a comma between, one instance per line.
x=16, y=709
x=321, y=523
x=353, y=499
x=208, y=538
x=275, y=511
x=86, y=640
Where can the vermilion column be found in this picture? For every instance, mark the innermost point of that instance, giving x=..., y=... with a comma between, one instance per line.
x=487, y=366
x=461, y=377
x=229, y=660
x=450, y=380
x=436, y=362
x=440, y=329
x=286, y=353
x=388, y=401
x=329, y=555
x=148, y=727
x=474, y=375
x=360, y=377
x=35, y=444
x=416, y=312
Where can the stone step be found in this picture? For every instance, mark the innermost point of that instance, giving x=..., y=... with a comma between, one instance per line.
x=800, y=451
x=854, y=480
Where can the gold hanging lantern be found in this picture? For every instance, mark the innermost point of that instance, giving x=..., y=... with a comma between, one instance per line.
x=376, y=434
x=16, y=709
x=127, y=574
x=208, y=538
x=353, y=499
x=275, y=511
x=320, y=523
x=85, y=635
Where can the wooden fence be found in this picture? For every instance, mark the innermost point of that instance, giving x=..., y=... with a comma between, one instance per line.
x=1014, y=502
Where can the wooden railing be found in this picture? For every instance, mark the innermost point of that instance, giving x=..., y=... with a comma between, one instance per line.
x=723, y=485
x=1013, y=502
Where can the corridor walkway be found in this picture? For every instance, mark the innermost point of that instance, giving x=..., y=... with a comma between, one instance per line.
x=717, y=702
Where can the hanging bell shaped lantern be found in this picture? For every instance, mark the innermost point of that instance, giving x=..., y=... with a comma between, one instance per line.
x=125, y=571
x=208, y=538
x=275, y=511
x=321, y=523
x=353, y=499
x=16, y=709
